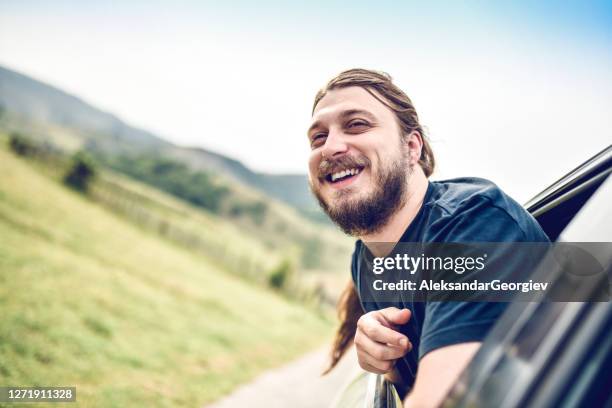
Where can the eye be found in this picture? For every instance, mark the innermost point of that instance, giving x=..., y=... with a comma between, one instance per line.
x=318, y=140
x=357, y=124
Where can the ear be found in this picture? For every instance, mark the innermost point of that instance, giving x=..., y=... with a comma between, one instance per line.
x=413, y=143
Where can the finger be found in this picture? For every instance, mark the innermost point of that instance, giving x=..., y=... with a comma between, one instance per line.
x=373, y=329
x=369, y=363
x=380, y=351
x=371, y=369
x=395, y=316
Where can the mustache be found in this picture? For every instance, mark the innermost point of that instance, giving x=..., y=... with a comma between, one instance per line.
x=329, y=166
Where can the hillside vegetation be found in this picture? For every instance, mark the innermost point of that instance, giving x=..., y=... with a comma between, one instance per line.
x=244, y=232
x=128, y=311
x=46, y=112
x=273, y=213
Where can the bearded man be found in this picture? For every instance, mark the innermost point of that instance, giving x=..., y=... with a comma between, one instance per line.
x=369, y=169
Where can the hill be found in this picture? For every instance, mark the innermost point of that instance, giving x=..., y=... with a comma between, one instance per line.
x=212, y=181
x=32, y=103
x=131, y=318
x=252, y=202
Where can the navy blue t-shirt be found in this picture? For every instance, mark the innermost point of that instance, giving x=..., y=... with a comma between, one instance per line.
x=458, y=210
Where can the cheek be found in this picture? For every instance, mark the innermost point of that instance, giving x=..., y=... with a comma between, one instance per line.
x=376, y=163
x=313, y=165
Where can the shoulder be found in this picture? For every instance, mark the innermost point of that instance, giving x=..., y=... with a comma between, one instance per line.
x=477, y=209
x=456, y=195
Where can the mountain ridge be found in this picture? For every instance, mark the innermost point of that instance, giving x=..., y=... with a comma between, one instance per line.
x=98, y=130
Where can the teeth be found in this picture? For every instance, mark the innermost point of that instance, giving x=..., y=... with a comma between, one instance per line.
x=344, y=173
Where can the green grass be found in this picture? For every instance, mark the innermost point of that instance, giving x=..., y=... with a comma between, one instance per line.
x=318, y=254
x=91, y=300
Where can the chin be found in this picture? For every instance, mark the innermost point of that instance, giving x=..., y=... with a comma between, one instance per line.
x=346, y=196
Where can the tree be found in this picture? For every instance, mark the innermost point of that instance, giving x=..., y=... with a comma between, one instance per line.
x=21, y=145
x=281, y=274
x=80, y=173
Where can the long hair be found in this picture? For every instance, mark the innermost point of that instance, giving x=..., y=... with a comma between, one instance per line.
x=381, y=87
x=349, y=311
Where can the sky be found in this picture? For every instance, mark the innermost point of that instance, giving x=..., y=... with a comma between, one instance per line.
x=516, y=92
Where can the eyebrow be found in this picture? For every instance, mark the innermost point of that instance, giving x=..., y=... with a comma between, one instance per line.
x=343, y=115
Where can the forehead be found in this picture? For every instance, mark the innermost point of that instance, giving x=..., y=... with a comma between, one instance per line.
x=341, y=100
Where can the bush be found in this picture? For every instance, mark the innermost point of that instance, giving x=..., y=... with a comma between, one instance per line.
x=80, y=173
x=197, y=187
x=255, y=210
x=22, y=145
x=280, y=276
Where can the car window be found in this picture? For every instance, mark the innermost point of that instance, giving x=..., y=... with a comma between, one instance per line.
x=550, y=354
x=557, y=205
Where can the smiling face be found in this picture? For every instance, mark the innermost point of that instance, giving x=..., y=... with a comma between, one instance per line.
x=359, y=163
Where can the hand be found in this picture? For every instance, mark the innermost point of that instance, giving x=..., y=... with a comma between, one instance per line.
x=377, y=341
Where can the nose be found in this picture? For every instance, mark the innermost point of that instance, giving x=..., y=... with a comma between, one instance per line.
x=335, y=144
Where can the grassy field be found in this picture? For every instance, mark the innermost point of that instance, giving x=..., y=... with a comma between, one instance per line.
x=89, y=299
x=318, y=254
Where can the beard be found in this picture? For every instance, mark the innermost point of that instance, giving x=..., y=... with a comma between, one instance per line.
x=367, y=215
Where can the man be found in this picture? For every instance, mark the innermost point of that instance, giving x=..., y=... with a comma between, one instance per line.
x=369, y=169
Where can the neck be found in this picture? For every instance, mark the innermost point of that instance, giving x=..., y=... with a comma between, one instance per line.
x=416, y=188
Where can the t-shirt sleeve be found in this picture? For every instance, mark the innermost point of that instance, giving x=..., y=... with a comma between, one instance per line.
x=449, y=323
x=453, y=322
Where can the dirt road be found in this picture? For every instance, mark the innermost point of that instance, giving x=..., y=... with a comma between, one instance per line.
x=298, y=384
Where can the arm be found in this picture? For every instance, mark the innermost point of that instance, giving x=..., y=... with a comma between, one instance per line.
x=438, y=371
